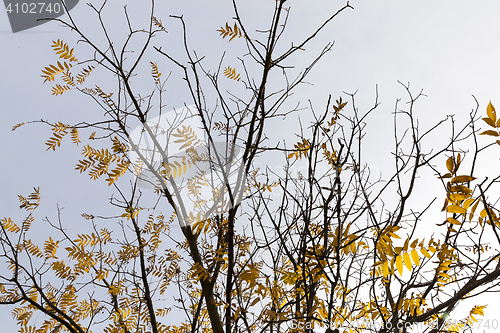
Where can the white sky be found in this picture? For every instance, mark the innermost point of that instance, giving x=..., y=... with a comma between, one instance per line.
x=448, y=48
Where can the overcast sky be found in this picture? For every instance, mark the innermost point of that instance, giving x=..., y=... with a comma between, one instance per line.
x=448, y=48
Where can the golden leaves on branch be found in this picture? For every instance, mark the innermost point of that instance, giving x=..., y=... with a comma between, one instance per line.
x=266, y=186
x=203, y=226
x=68, y=78
x=50, y=72
x=91, y=239
x=452, y=165
x=250, y=275
x=121, y=168
x=490, y=216
x=198, y=272
x=31, y=202
x=74, y=136
x=176, y=169
x=301, y=149
x=118, y=146
x=348, y=243
x=231, y=32
x=59, y=130
x=220, y=126
x=59, y=90
x=63, y=50
x=158, y=23
x=61, y=270
x=99, y=161
x=131, y=212
x=32, y=249
x=492, y=121
x=84, y=256
x=80, y=78
x=155, y=73
x=340, y=105
x=458, y=194
x=337, y=108
x=22, y=315
x=16, y=126
x=10, y=225
x=230, y=73
x=332, y=158
x=187, y=137
x=188, y=140
x=106, y=98
x=396, y=258
x=50, y=248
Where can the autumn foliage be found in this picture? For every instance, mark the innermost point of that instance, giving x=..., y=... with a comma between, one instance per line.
x=332, y=246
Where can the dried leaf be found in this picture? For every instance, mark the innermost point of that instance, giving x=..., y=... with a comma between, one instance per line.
x=399, y=265
x=450, y=164
x=415, y=257
x=490, y=110
x=490, y=133
x=455, y=209
x=453, y=221
x=407, y=260
x=462, y=179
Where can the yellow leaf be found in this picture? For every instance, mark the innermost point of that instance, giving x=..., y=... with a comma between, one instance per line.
x=421, y=243
x=453, y=221
x=473, y=209
x=393, y=235
x=490, y=110
x=385, y=268
x=490, y=133
x=455, y=209
x=405, y=247
x=467, y=203
x=462, y=179
x=9, y=225
x=450, y=164
x=399, y=265
x=455, y=197
x=489, y=122
x=323, y=314
x=415, y=257
x=255, y=301
x=478, y=310
x=483, y=213
x=407, y=260
x=446, y=175
x=444, y=275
